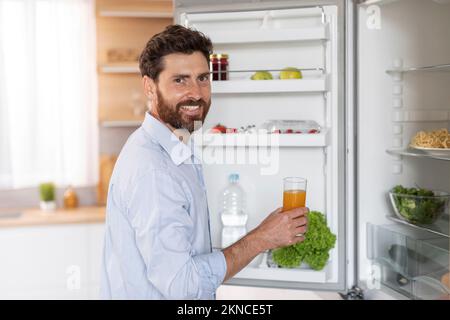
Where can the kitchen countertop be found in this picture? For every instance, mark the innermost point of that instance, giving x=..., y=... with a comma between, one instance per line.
x=34, y=217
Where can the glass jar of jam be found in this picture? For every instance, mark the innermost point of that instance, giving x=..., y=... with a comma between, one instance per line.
x=223, y=66
x=214, y=66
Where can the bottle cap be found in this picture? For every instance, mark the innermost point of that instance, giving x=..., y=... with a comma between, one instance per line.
x=223, y=55
x=234, y=177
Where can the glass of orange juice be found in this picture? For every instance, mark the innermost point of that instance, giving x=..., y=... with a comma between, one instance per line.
x=294, y=195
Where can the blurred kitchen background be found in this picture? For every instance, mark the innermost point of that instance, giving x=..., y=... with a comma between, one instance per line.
x=70, y=95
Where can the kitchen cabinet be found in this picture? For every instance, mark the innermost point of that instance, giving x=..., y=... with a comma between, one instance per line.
x=51, y=261
x=123, y=29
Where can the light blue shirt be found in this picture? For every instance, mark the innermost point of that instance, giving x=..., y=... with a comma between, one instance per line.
x=157, y=238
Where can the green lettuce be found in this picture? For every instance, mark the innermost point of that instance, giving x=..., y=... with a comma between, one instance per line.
x=417, y=205
x=314, y=250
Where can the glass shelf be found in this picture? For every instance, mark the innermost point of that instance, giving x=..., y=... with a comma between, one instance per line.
x=416, y=154
x=439, y=67
x=441, y=227
x=377, y=2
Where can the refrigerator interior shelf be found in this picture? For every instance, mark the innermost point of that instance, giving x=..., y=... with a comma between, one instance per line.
x=307, y=84
x=377, y=2
x=439, y=67
x=270, y=35
x=120, y=68
x=441, y=227
x=416, y=153
x=262, y=140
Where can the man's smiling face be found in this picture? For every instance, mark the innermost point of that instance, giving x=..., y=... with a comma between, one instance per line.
x=182, y=93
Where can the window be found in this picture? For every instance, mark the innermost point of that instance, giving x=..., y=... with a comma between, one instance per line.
x=48, y=93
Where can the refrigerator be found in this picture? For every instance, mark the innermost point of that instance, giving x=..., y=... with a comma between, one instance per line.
x=375, y=73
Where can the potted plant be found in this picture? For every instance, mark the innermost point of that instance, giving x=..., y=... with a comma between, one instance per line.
x=47, y=192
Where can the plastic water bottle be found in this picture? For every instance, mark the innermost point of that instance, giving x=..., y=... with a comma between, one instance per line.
x=232, y=212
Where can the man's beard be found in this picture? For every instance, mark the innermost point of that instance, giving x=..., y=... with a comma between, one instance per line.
x=173, y=115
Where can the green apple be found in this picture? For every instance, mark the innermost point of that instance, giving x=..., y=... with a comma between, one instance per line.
x=290, y=73
x=262, y=75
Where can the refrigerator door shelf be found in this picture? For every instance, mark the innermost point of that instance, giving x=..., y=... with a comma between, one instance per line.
x=252, y=17
x=304, y=24
x=316, y=140
x=307, y=84
x=280, y=274
x=258, y=270
x=281, y=35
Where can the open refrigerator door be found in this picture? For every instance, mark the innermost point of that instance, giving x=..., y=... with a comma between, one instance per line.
x=374, y=74
x=265, y=127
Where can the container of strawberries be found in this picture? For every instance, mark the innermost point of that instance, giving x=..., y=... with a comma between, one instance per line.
x=291, y=127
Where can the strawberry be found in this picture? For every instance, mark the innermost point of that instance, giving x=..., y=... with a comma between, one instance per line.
x=220, y=128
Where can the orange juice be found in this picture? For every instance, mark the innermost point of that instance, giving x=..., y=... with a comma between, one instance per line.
x=293, y=199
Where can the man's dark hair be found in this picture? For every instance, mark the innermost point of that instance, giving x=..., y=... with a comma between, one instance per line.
x=174, y=39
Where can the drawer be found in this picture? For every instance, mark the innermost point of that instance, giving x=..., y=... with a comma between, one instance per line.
x=410, y=261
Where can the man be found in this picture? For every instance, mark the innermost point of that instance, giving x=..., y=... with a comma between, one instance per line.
x=157, y=240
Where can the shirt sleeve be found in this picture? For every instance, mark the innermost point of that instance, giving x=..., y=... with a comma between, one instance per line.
x=159, y=214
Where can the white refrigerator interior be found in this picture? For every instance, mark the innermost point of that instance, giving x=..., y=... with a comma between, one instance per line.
x=375, y=73
x=403, y=87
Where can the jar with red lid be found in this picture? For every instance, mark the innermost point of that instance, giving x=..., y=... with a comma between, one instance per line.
x=214, y=66
x=223, y=66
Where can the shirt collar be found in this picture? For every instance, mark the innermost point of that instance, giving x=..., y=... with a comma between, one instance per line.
x=178, y=151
